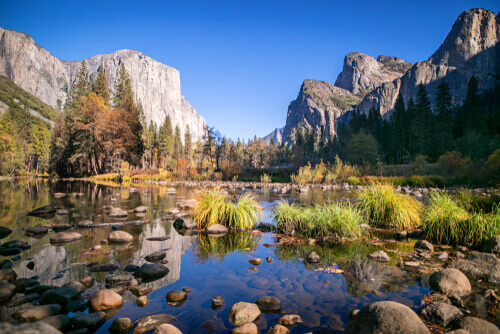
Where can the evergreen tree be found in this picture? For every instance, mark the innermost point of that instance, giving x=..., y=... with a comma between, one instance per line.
x=444, y=119
x=100, y=86
x=422, y=120
x=166, y=141
x=177, y=143
x=81, y=87
x=188, y=144
x=399, y=130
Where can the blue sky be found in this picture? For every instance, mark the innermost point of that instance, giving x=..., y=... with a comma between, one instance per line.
x=241, y=62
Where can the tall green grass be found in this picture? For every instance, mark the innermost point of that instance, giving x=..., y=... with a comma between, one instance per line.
x=215, y=207
x=475, y=202
x=384, y=207
x=447, y=221
x=335, y=219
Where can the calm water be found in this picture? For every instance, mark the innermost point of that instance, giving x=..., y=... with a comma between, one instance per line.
x=210, y=266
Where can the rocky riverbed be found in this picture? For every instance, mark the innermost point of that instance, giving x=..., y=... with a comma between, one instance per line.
x=108, y=259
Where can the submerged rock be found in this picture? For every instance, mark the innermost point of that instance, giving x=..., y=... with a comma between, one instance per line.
x=151, y=322
x=176, y=296
x=217, y=302
x=121, y=326
x=249, y=328
x=450, y=281
x=105, y=299
x=269, y=304
x=290, y=320
x=90, y=321
x=167, y=329
x=386, y=317
x=151, y=271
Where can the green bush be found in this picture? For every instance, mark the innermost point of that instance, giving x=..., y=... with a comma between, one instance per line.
x=384, y=207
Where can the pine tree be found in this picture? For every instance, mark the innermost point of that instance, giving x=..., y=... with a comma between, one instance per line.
x=398, y=129
x=443, y=124
x=188, y=144
x=422, y=120
x=177, y=143
x=100, y=86
x=80, y=88
x=166, y=141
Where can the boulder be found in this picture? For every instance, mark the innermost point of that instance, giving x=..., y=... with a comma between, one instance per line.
x=104, y=267
x=76, y=306
x=7, y=291
x=23, y=284
x=249, y=328
x=386, y=317
x=313, y=257
x=440, y=313
x=140, y=290
x=88, y=281
x=255, y=261
x=36, y=313
x=117, y=213
x=424, y=245
x=151, y=271
x=121, y=326
x=167, y=329
x=184, y=223
x=104, y=300
x=80, y=287
x=216, y=229
x=85, y=224
x=156, y=256
x=150, y=322
x=242, y=313
x=217, y=302
x=450, y=281
x=268, y=304
x=120, y=237
x=60, y=237
x=61, y=296
x=176, y=296
x=142, y=301
x=46, y=212
x=37, y=230
x=475, y=326
x=479, y=266
x=60, y=321
x=90, y=321
x=379, y=256
x=8, y=275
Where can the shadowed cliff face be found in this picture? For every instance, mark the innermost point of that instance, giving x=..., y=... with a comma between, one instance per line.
x=156, y=86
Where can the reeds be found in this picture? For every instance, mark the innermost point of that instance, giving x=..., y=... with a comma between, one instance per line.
x=215, y=207
x=334, y=219
x=384, y=207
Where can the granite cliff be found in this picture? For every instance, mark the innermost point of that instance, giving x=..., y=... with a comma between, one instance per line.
x=471, y=48
x=156, y=85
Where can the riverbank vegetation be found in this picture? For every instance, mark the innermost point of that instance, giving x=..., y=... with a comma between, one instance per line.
x=383, y=206
x=333, y=219
x=215, y=207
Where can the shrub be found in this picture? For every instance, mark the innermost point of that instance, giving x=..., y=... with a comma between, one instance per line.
x=334, y=219
x=304, y=175
x=384, y=207
x=214, y=207
x=264, y=178
x=451, y=163
x=353, y=181
x=418, y=164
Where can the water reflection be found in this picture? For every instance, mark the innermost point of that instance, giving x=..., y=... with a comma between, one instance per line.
x=215, y=248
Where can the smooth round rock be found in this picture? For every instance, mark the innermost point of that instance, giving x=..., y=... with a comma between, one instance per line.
x=386, y=317
x=476, y=326
x=142, y=301
x=121, y=326
x=440, y=313
x=269, y=304
x=149, y=271
x=85, y=224
x=249, y=328
x=216, y=229
x=120, y=237
x=450, y=281
x=176, y=296
x=36, y=313
x=104, y=300
x=278, y=329
x=424, y=245
x=255, y=261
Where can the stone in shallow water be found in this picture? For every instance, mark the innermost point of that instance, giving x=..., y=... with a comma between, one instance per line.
x=90, y=321
x=104, y=267
x=61, y=237
x=8, y=275
x=156, y=256
x=6, y=264
x=176, y=296
x=37, y=229
x=217, y=302
x=142, y=301
x=104, y=300
x=120, y=237
x=162, y=238
x=151, y=271
x=249, y=328
x=278, y=329
x=450, y=281
x=475, y=326
x=140, y=290
x=121, y=326
x=37, y=327
x=88, y=281
x=269, y=304
x=7, y=291
x=313, y=258
x=46, y=212
x=440, y=313
x=424, y=245
x=379, y=256
x=36, y=313
x=60, y=321
x=61, y=296
x=479, y=266
x=255, y=261
x=216, y=229
x=4, y=231
x=141, y=209
x=117, y=213
x=118, y=280
x=242, y=313
x=167, y=329
x=85, y=224
x=289, y=320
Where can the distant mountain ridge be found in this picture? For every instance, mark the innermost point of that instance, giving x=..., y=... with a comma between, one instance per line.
x=471, y=48
x=156, y=86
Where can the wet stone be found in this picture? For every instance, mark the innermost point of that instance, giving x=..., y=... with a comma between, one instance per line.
x=60, y=321
x=151, y=271
x=105, y=299
x=6, y=264
x=37, y=229
x=216, y=229
x=79, y=287
x=88, y=281
x=120, y=326
x=118, y=280
x=23, y=284
x=103, y=267
x=249, y=328
x=255, y=261
x=142, y=301
x=156, y=256
x=7, y=291
x=61, y=296
x=151, y=322
x=140, y=290
x=120, y=237
x=176, y=296
x=290, y=320
x=61, y=227
x=167, y=329
x=242, y=313
x=10, y=251
x=28, y=328
x=130, y=268
x=217, y=302
x=23, y=299
x=85, y=224
x=269, y=304
x=90, y=321
x=186, y=289
x=61, y=237
x=379, y=256
x=76, y=306
x=36, y=313
x=278, y=329
x=313, y=257
x=440, y=313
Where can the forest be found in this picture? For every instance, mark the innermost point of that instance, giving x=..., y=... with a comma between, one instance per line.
x=98, y=133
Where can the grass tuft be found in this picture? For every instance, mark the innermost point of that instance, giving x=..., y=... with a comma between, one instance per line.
x=447, y=221
x=384, y=207
x=215, y=207
x=336, y=219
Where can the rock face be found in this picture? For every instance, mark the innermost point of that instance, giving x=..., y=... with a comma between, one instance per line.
x=471, y=48
x=156, y=85
x=362, y=73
